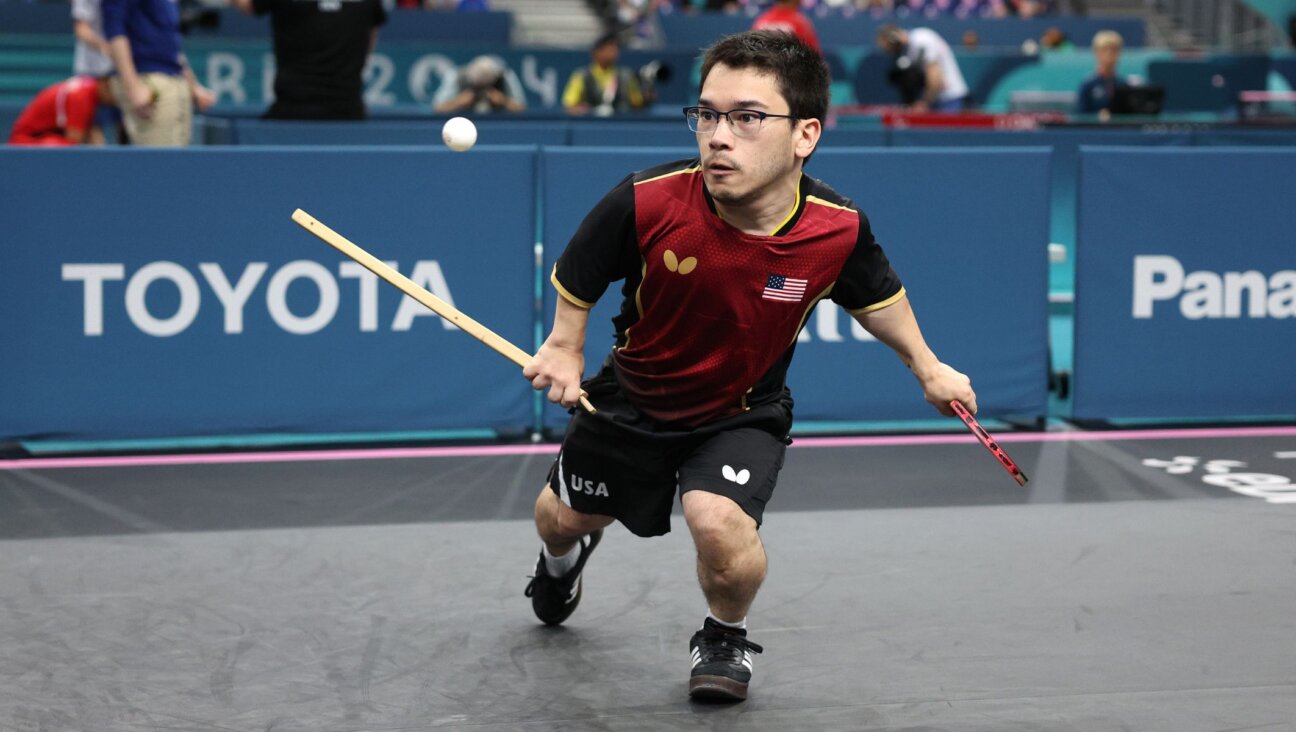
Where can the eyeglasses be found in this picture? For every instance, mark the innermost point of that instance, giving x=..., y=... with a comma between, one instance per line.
x=743, y=122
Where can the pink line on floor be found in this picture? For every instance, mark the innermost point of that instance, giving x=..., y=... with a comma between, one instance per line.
x=281, y=456
x=1007, y=437
x=285, y=456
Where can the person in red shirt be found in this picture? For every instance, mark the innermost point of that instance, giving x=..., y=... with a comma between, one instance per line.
x=786, y=16
x=62, y=114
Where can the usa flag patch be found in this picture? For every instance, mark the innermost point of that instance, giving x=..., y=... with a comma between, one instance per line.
x=784, y=288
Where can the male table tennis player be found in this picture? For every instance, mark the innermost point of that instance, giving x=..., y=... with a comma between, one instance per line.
x=724, y=256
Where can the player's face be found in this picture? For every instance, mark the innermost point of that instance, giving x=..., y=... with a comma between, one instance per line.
x=738, y=169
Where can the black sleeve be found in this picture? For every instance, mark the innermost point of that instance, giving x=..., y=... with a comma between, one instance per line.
x=380, y=13
x=604, y=249
x=261, y=7
x=867, y=281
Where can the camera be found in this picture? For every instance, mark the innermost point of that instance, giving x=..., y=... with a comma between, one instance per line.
x=651, y=74
x=908, y=79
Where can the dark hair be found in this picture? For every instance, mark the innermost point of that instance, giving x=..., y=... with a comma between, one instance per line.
x=800, y=71
x=606, y=39
x=889, y=36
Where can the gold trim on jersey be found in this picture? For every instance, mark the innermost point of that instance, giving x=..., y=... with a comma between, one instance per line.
x=829, y=204
x=643, y=275
x=806, y=315
x=694, y=169
x=553, y=277
x=796, y=206
x=879, y=305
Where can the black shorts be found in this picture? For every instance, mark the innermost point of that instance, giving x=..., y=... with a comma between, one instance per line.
x=623, y=464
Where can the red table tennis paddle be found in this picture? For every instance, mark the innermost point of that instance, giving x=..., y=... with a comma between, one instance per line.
x=989, y=442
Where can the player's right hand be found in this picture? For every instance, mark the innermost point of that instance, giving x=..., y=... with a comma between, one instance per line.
x=945, y=384
x=559, y=370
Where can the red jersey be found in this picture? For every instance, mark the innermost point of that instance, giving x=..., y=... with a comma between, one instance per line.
x=67, y=105
x=788, y=20
x=710, y=314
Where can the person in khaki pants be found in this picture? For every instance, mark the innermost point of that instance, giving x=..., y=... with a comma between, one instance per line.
x=154, y=85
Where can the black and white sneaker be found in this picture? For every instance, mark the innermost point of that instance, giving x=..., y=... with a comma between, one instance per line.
x=722, y=662
x=554, y=598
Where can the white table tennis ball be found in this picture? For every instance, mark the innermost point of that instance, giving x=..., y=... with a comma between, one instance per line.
x=459, y=133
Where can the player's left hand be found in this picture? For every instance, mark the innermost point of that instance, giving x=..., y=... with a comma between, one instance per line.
x=944, y=384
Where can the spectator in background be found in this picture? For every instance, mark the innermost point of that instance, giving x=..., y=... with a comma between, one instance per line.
x=876, y=8
x=721, y=6
x=320, y=51
x=92, y=56
x=63, y=114
x=1019, y=8
x=603, y=88
x=484, y=85
x=922, y=51
x=1099, y=91
x=786, y=16
x=466, y=6
x=968, y=8
x=636, y=21
x=666, y=7
x=154, y=85
x=1055, y=40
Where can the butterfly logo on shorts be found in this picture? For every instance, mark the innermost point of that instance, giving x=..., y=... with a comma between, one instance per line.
x=740, y=477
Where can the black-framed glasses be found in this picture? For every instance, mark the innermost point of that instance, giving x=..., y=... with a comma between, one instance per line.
x=743, y=122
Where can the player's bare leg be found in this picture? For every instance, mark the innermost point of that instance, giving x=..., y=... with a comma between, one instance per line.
x=730, y=557
x=569, y=536
x=731, y=567
x=560, y=526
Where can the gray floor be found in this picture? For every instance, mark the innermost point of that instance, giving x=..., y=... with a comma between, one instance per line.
x=909, y=589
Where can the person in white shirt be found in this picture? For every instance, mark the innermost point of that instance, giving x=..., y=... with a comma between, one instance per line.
x=91, y=57
x=944, y=89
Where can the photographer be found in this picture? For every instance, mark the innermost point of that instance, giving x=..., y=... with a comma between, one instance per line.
x=603, y=88
x=484, y=85
x=652, y=74
x=924, y=70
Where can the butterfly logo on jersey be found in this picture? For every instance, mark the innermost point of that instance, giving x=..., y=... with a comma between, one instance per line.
x=675, y=265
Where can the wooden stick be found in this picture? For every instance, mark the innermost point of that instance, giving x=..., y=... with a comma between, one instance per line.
x=407, y=286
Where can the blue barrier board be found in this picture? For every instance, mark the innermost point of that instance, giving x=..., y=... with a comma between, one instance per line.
x=181, y=299
x=1186, y=293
